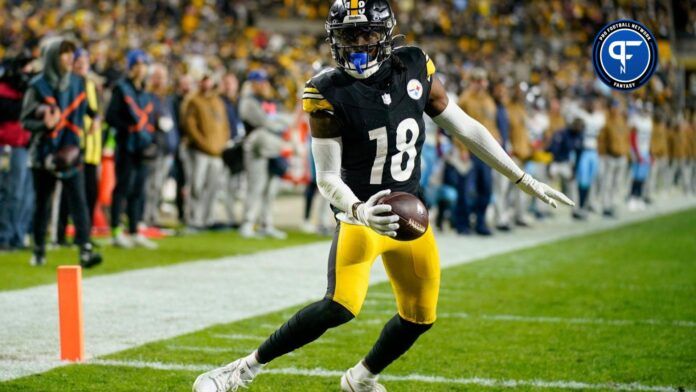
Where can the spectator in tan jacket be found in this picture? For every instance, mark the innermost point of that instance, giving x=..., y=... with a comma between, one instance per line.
x=479, y=104
x=207, y=131
x=556, y=120
x=613, y=148
x=521, y=151
x=677, y=150
x=501, y=185
x=679, y=153
x=658, y=152
x=689, y=135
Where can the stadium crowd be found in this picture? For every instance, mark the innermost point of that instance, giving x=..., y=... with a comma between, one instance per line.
x=117, y=101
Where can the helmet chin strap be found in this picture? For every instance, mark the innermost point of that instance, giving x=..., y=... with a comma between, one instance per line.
x=362, y=68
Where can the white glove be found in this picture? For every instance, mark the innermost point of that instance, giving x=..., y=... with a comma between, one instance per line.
x=542, y=191
x=370, y=214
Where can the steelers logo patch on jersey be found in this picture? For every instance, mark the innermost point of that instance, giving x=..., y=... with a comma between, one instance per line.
x=414, y=89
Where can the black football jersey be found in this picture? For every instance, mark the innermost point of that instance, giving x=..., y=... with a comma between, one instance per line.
x=381, y=118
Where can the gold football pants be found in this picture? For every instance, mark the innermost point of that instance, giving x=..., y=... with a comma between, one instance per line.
x=413, y=268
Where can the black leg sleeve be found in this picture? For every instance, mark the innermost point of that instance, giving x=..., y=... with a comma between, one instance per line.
x=304, y=327
x=396, y=338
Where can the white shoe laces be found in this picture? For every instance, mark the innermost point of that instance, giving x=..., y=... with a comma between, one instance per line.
x=365, y=384
x=231, y=377
x=235, y=381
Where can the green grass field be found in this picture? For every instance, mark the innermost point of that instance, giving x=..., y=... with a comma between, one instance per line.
x=16, y=274
x=612, y=308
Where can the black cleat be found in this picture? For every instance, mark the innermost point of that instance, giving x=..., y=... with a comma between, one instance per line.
x=89, y=258
x=38, y=259
x=609, y=214
x=483, y=231
x=578, y=215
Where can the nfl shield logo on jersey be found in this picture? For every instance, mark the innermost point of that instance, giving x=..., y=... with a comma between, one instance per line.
x=387, y=99
x=415, y=89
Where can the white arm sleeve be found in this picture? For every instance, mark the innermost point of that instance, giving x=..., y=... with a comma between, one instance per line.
x=327, y=161
x=477, y=138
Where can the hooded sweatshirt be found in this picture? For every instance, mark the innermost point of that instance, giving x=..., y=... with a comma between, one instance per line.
x=53, y=88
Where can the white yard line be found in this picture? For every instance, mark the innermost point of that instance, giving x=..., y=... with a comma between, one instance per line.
x=132, y=308
x=204, y=349
x=569, y=320
x=235, y=336
x=544, y=319
x=483, y=382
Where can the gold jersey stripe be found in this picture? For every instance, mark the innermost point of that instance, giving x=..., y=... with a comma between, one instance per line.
x=311, y=105
x=311, y=90
x=430, y=67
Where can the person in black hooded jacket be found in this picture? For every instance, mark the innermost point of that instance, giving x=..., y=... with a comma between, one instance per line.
x=53, y=111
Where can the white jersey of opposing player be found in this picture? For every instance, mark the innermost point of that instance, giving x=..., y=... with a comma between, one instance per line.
x=594, y=122
x=537, y=124
x=643, y=125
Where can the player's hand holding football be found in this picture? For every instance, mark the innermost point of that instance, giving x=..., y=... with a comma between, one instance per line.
x=375, y=216
x=542, y=191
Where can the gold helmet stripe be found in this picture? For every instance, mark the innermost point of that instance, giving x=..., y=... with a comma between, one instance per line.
x=353, y=7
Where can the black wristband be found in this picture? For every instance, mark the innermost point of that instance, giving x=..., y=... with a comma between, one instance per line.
x=518, y=181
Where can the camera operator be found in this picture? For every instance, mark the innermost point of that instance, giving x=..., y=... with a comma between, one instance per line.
x=53, y=111
x=129, y=112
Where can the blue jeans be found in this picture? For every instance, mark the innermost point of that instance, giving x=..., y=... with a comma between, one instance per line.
x=460, y=210
x=481, y=184
x=428, y=162
x=16, y=199
x=438, y=193
x=474, y=190
x=640, y=171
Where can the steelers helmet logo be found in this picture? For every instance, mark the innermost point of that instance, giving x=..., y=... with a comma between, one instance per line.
x=624, y=54
x=414, y=89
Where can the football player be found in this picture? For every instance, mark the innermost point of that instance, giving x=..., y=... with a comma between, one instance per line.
x=366, y=118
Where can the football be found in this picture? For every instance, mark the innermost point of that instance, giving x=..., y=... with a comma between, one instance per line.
x=67, y=157
x=413, y=216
